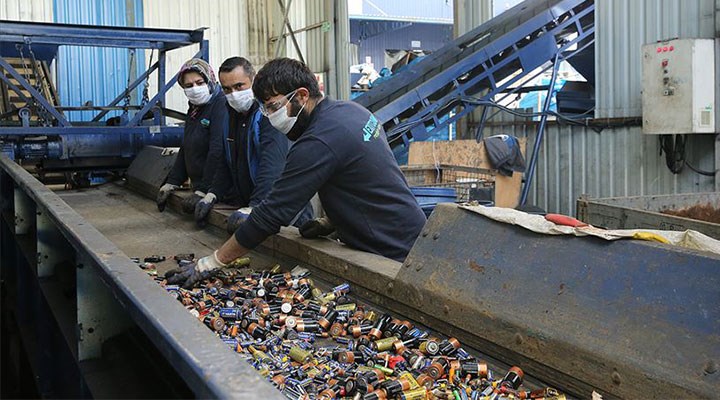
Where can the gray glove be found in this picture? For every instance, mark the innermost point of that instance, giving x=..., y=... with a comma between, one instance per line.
x=316, y=227
x=202, y=209
x=188, y=204
x=163, y=195
x=193, y=272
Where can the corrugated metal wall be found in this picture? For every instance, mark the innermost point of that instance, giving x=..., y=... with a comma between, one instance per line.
x=623, y=26
x=614, y=162
x=229, y=33
x=27, y=10
x=324, y=29
x=430, y=36
x=470, y=13
x=93, y=74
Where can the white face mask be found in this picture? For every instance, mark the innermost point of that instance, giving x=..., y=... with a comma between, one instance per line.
x=280, y=119
x=198, y=95
x=241, y=100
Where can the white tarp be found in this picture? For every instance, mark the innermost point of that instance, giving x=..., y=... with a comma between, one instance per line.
x=537, y=223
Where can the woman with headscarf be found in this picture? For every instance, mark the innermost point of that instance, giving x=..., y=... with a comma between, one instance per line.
x=202, y=145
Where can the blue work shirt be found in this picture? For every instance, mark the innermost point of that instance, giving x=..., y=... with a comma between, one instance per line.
x=343, y=155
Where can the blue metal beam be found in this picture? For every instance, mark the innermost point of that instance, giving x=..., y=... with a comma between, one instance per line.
x=162, y=89
x=89, y=130
x=127, y=90
x=97, y=36
x=540, y=132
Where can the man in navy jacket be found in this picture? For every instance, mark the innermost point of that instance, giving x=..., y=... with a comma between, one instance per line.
x=340, y=152
x=254, y=152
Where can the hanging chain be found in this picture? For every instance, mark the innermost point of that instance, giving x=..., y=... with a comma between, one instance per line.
x=43, y=114
x=146, y=97
x=128, y=99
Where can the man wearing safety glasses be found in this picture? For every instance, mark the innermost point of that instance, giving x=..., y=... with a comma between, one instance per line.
x=340, y=152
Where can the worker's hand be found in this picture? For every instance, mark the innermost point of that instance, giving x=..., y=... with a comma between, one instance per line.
x=188, y=204
x=316, y=227
x=202, y=209
x=163, y=195
x=191, y=273
x=237, y=218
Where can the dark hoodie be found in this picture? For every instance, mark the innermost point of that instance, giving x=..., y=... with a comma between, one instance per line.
x=202, y=146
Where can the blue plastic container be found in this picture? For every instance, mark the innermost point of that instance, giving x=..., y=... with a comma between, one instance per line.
x=428, y=197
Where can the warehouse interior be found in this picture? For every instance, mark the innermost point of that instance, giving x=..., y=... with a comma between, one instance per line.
x=506, y=199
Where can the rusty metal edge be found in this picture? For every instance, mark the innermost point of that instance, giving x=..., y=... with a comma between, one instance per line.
x=202, y=360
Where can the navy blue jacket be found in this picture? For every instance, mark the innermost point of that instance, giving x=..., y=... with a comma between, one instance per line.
x=253, y=159
x=201, y=148
x=254, y=155
x=344, y=156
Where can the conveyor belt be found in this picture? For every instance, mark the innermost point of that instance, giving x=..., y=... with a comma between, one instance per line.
x=432, y=93
x=139, y=230
x=628, y=318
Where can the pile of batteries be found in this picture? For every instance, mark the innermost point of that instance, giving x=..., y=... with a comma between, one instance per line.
x=322, y=345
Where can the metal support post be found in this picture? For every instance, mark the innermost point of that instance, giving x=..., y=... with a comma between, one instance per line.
x=99, y=316
x=52, y=248
x=540, y=132
x=481, y=127
x=24, y=210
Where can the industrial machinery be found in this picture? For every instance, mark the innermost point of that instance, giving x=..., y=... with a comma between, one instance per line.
x=493, y=59
x=35, y=128
x=580, y=314
x=678, y=77
x=625, y=319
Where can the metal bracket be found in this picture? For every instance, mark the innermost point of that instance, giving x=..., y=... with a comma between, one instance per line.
x=99, y=316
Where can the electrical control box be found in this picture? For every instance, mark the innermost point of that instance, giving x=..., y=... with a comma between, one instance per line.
x=679, y=86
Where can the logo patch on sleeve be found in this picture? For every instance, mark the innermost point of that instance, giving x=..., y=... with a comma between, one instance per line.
x=371, y=129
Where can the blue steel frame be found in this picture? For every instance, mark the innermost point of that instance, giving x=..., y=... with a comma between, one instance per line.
x=163, y=40
x=486, y=72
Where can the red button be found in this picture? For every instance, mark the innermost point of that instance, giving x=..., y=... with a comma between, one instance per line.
x=665, y=49
x=672, y=48
x=659, y=49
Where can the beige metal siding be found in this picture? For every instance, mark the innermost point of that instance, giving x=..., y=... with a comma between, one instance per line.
x=323, y=40
x=27, y=10
x=468, y=14
x=229, y=33
x=622, y=27
x=575, y=160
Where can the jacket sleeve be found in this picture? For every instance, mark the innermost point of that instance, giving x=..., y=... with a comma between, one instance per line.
x=178, y=174
x=310, y=163
x=273, y=153
x=218, y=122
